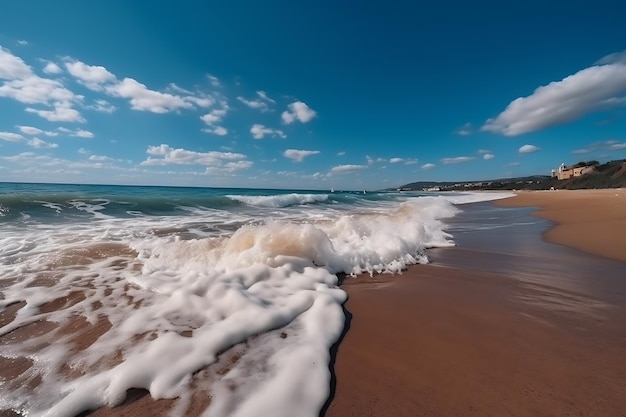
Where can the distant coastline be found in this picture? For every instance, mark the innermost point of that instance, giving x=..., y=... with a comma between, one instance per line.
x=609, y=175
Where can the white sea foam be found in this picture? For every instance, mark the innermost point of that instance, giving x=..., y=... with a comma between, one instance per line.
x=267, y=288
x=280, y=200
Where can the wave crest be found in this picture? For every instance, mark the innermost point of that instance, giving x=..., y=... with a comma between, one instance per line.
x=279, y=201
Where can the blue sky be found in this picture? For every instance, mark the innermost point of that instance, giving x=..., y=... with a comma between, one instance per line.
x=311, y=95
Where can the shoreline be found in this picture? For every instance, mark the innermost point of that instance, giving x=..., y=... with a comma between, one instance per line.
x=592, y=221
x=441, y=340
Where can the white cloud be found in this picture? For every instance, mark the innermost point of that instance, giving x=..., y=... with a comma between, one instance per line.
x=259, y=104
x=102, y=106
x=588, y=90
x=254, y=104
x=488, y=156
x=63, y=112
x=215, y=82
x=528, y=149
x=215, y=116
x=92, y=76
x=617, y=57
x=457, y=160
x=200, y=101
x=12, y=67
x=342, y=169
x=232, y=166
x=298, y=155
x=26, y=87
x=617, y=146
x=263, y=96
x=100, y=158
x=34, y=89
x=78, y=133
x=41, y=144
x=405, y=161
x=166, y=155
x=428, y=166
x=30, y=130
x=217, y=130
x=22, y=42
x=465, y=130
x=11, y=137
x=341, y=153
x=52, y=68
x=298, y=111
x=259, y=131
x=144, y=99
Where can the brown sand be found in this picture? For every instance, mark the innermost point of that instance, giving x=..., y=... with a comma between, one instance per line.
x=593, y=221
x=450, y=342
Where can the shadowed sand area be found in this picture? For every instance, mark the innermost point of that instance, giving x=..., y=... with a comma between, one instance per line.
x=505, y=324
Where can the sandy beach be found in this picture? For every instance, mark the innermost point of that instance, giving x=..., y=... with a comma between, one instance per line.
x=476, y=333
x=445, y=341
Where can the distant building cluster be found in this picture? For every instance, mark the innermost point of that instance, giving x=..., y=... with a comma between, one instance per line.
x=564, y=172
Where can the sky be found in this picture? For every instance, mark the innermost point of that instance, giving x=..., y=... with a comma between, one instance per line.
x=307, y=95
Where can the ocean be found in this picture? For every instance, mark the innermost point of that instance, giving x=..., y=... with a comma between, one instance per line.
x=110, y=288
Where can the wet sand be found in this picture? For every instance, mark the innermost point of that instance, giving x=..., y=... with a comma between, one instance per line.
x=522, y=336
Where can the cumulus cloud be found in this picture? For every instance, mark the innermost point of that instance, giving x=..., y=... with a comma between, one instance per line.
x=11, y=137
x=263, y=95
x=92, y=76
x=528, y=149
x=614, y=58
x=343, y=169
x=298, y=111
x=78, y=133
x=26, y=87
x=37, y=90
x=143, y=99
x=166, y=155
x=12, y=67
x=213, y=117
x=261, y=103
x=457, y=160
x=30, y=130
x=298, y=155
x=405, y=161
x=102, y=106
x=52, y=68
x=63, y=112
x=217, y=130
x=597, y=87
x=100, y=158
x=259, y=132
x=341, y=153
x=41, y=144
x=428, y=166
x=488, y=156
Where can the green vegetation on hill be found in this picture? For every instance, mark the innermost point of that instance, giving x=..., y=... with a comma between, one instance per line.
x=609, y=175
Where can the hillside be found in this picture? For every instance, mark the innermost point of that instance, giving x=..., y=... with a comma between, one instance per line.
x=609, y=175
